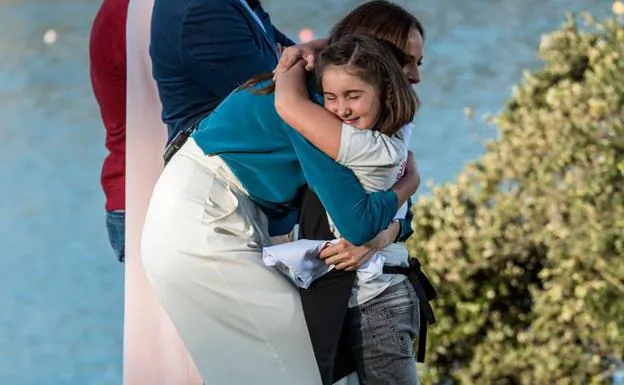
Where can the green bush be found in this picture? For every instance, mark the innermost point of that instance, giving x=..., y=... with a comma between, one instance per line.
x=526, y=248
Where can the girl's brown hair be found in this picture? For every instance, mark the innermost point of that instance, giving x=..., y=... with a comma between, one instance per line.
x=380, y=64
x=253, y=84
x=375, y=61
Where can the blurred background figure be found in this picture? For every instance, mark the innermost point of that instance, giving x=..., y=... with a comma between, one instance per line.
x=107, y=59
x=306, y=35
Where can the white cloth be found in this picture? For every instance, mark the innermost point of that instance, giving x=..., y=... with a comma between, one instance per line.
x=202, y=252
x=299, y=262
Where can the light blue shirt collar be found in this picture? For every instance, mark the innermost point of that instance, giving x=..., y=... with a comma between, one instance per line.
x=255, y=16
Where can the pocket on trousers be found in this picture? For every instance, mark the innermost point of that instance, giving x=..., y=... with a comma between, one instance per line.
x=220, y=202
x=401, y=317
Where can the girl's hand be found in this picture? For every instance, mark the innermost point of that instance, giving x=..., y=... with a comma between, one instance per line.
x=293, y=74
x=306, y=51
x=347, y=257
x=291, y=55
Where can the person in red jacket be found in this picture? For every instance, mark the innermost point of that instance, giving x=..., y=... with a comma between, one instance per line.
x=107, y=54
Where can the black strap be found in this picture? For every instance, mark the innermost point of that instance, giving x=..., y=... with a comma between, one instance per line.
x=425, y=293
x=313, y=221
x=176, y=143
x=182, y=136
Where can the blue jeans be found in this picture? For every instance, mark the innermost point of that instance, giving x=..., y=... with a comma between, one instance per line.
x=381, y=337
x=116, y=225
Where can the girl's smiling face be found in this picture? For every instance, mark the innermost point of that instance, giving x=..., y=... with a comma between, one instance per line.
x=354, y=101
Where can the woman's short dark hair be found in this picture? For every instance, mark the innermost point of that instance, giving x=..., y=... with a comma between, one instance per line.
x=380, y=64
x=382, y=19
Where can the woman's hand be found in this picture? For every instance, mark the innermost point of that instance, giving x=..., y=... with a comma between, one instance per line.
x=304, y=51
x=411, y=168
x=347, y=257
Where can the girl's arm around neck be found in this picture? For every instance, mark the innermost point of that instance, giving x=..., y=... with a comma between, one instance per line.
x=292, y=102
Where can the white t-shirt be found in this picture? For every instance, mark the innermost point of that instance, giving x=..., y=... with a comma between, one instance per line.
x=378, y=161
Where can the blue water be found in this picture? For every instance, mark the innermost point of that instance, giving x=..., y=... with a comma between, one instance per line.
x=61, y=291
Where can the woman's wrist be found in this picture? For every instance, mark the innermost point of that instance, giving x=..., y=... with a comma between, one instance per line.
x=386, y=237
x=394, y=229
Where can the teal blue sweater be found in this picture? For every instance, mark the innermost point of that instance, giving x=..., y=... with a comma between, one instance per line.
x=273, y=162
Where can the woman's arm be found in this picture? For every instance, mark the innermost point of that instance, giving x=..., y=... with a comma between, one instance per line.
x=358, y=216
x=346, y=256
x=313, y=225
x=292, y=102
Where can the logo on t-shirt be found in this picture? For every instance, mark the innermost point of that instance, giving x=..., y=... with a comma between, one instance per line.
x=402, y=170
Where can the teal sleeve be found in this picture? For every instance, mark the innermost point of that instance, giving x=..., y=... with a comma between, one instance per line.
x=359, y=216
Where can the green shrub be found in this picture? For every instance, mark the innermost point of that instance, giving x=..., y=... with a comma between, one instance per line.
x=526, y=248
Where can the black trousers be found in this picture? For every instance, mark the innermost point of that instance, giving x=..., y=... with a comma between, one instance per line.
x=325, y=302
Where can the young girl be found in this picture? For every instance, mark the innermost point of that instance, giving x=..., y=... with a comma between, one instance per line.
x=368, y=106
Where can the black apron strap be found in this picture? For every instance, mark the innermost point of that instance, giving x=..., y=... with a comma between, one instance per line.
x=326, y=301
x=325, y=306
x=313, y=221
x=425, y=293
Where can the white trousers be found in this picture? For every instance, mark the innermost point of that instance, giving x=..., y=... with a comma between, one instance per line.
x=201, y=247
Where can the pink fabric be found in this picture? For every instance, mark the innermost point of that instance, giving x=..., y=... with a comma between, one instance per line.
x=153, y=351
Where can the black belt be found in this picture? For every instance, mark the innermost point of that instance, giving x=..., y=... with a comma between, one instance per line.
x=425, y=293
x=177, y=142
x=181, y=137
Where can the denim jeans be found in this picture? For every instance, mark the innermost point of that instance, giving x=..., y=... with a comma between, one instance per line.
x=116, y=225
x=381, y=337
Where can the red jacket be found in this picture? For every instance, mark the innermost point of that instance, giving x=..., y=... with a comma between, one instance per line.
x=107, y=54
